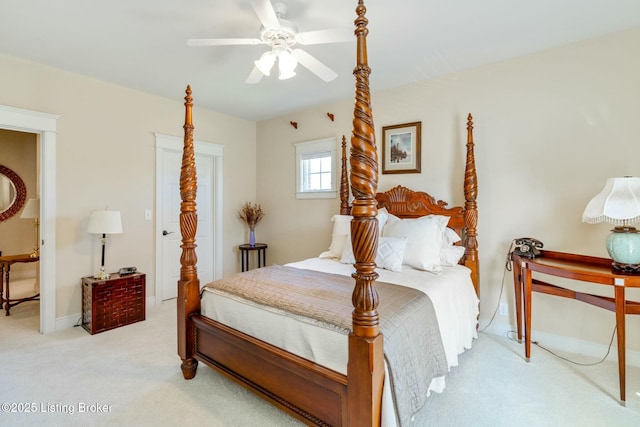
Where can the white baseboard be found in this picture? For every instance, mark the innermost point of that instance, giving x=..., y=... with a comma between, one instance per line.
x=568, y=344
x=74, y=319
x=67, y=321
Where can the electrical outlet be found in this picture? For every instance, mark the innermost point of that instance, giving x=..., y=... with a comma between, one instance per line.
x=504, y=309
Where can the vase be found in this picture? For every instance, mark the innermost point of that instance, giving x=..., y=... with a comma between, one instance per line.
x=252, y=237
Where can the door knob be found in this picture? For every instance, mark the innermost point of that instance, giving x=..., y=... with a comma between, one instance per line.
x=165, y=232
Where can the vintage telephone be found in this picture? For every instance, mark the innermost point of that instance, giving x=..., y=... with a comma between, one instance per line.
x=527, y=247
x=127, y=270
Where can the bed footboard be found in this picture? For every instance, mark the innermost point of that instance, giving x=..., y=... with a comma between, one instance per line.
x=310, y=392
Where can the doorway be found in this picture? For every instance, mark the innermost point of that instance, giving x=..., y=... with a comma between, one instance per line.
x=209, y=203
x=44, y=126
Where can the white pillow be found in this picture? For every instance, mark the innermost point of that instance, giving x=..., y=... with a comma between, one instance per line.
x=383, y=216
x=341, y=230
x=389, y=256
x=424, y=239
x=450, y=237
x=451, y=255
x=391, y=253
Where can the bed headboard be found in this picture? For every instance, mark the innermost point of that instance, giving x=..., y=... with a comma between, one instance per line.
x=405, y=203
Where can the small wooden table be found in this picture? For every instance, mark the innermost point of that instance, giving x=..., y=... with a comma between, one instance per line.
x=244, y=254
x=5, y=289
x=576, y=267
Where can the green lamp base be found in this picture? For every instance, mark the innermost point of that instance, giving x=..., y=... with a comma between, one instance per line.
x=623, y=245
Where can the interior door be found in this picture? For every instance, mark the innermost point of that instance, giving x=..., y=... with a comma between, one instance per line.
x=169, y=219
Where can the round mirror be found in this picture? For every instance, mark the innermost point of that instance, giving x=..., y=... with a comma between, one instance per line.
x=13, y=193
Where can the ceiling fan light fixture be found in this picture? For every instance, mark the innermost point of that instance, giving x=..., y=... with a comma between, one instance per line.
x=287, y=64
x=265, y=63
x=286, y=74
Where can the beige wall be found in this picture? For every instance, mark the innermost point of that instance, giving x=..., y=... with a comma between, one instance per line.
x=17, y=236
x=549, y=128
x=106, y=157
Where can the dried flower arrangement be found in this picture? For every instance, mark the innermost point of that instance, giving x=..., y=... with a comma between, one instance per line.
x=251, y=214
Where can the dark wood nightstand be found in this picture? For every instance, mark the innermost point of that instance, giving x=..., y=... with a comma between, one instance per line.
x=114, y=302
x=247, y=248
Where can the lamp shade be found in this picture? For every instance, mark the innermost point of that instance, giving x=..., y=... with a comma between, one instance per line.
x=105, y=222
x=265, y=63
x=618, y=203
x=286, y=65
x=31, y=209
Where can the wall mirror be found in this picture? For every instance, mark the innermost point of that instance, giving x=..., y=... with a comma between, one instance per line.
x=13, y=193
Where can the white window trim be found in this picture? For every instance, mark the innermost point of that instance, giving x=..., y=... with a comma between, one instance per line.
x=317, y=146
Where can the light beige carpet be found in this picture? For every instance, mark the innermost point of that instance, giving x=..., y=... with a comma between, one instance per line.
x=131, y=376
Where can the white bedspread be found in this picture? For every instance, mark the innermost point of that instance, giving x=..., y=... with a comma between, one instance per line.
x=452, y=294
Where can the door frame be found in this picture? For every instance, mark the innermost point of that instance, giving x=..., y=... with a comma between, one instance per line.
x=174, y=143
x=44, y=125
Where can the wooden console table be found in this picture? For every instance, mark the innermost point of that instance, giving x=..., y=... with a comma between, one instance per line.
x=5, y=288
x=582, y=268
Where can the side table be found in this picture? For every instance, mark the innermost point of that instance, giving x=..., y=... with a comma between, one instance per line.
x=110, y=303
x=5, y=288
x=246, y=248
x=597, y=271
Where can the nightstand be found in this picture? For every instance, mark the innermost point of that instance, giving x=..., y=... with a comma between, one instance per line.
x=113, y=302
x=246, y=249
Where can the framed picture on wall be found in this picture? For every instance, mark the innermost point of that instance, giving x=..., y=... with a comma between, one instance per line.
x=401, y=148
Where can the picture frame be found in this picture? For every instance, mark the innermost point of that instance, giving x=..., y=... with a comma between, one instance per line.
x=401, y=151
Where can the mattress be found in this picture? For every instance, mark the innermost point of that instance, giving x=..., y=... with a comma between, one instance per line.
x=452, y=294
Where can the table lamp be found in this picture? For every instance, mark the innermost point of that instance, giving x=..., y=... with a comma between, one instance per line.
x=619, y=204
x=104, y=222
x=32, y=211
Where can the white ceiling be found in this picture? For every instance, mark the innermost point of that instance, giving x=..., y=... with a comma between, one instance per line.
x=141, y=44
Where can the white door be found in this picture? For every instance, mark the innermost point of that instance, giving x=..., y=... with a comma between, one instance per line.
x=209, y=165
x=169, y=220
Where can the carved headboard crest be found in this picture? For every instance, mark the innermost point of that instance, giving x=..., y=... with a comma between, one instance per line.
x=407, y=203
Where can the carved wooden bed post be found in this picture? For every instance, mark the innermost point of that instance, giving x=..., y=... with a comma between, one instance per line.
x=188, y=285
x=345, y=209
x=471, y=209
x=365, y=370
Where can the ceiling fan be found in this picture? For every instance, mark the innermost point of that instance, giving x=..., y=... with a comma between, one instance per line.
x=281, y=35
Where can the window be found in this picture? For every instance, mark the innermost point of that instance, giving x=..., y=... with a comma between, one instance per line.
x=316, y=169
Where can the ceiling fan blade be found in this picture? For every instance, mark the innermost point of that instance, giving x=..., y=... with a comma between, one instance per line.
x=222, y=42
x=266, y=13
x=315, y=66
x=255, y=76
x=334, y=35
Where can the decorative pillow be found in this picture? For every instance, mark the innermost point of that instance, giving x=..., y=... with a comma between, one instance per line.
x=347, y=254
x=341, y=230
x=451, y=255
x=391, y=253
x=389, y=256
x=424, y=239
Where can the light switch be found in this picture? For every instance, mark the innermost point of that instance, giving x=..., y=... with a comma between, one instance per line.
x=148, y=215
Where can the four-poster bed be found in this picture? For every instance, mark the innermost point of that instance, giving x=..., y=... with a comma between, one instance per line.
x=302, y=386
